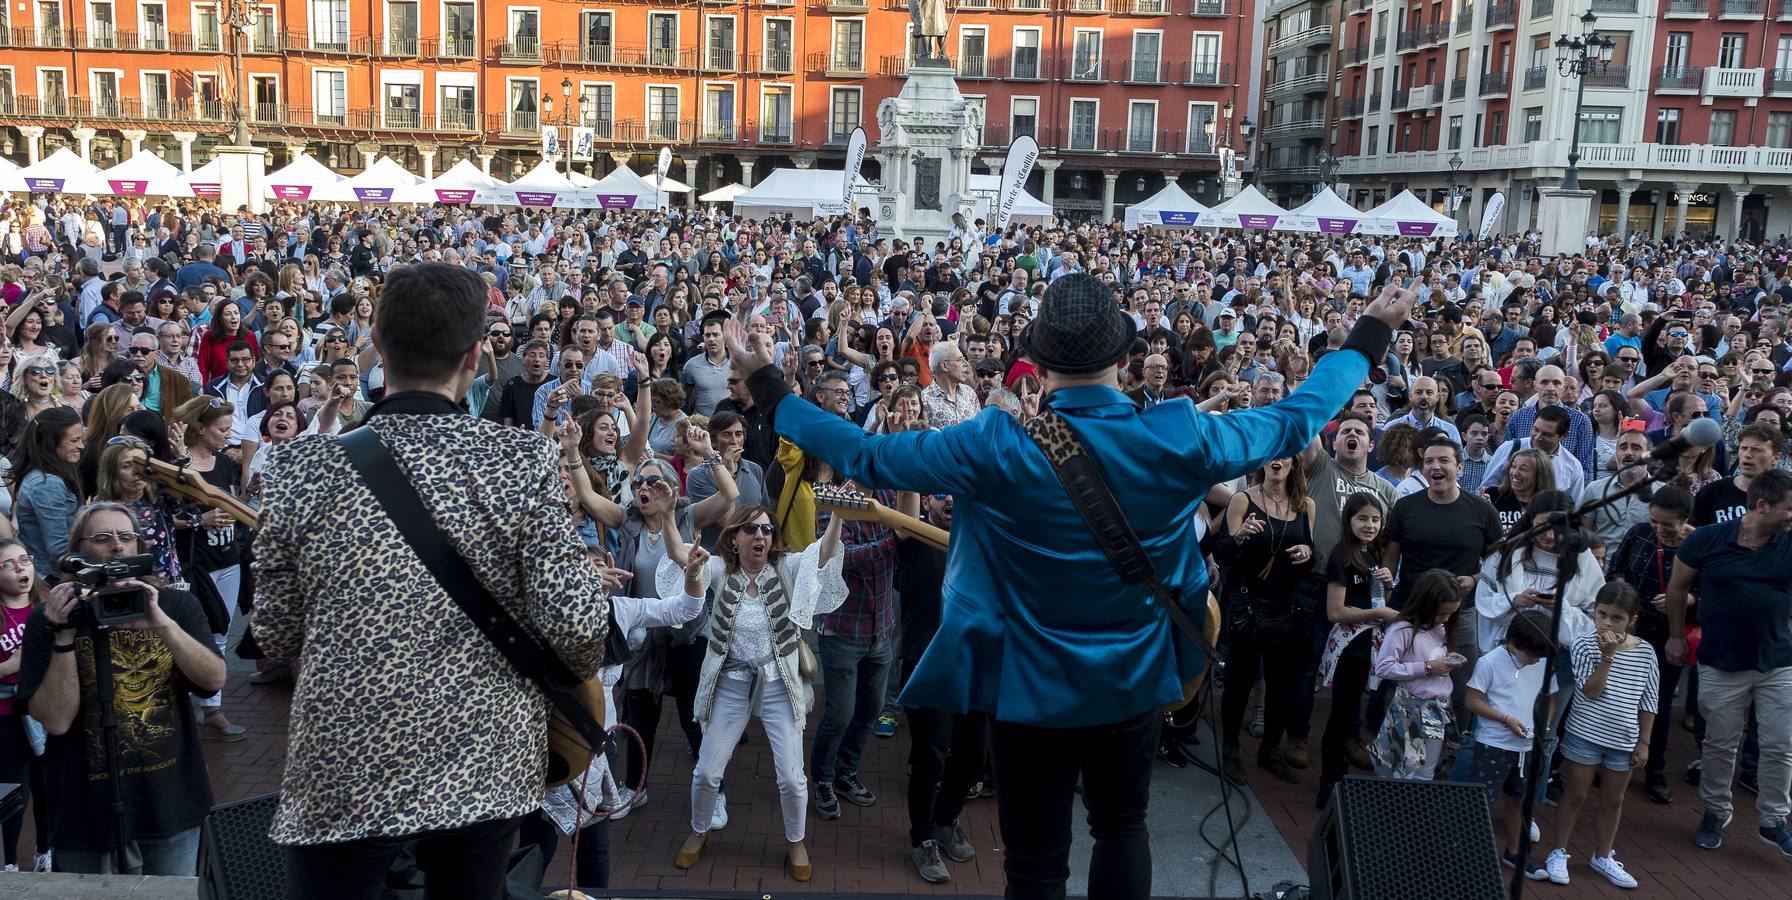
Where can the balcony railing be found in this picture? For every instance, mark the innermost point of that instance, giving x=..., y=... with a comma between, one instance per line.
x=1354, y=55
x=1665, y=159
x=1209, y=8
x=1028, y=66
x=1496, y=83
x=1086, y=6
x=520, y=49
x=972, y=66
x=717, y=133
x=1419, y=38
x=593, y=54
x=1145, y=70
x=1543, y=9
x=1615, y=7
x=1680, y=78
x=775, y=62
x=1536, y=78
x=1357, y=7
x=1419, y=97
x=1465, y=20
x=452, y=47
x=1745, y=83
x=1350, y=109
x=1379, y=45
x=1502, y=15
x=1743, y=9
x=1458, y=87
x=832, y=65
x=1612, y=77
x=1206, y=73
x=1779, y=81
x=781, y=133
x=1320, y=34
x=1139, y=7
x=1783, y=12
x=1688, y=9
x=717, y=59
x=527, y=122
x=1088, y=71
x=1300, y=79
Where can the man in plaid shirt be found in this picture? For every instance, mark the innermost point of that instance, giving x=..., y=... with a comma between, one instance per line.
x=857, y=645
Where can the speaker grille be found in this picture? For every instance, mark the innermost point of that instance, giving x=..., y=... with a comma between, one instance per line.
x=1415, y=840
x=240, y=863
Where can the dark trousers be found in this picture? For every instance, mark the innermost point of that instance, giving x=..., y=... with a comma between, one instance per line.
x=1038, y=768
x=1280, y=658
x=591, y=864
x=1318, y=627
x=18, y=765
x=945, y=758
x=1348, y=684
x=641, y=709
x=1664, y=706
x=467, y=863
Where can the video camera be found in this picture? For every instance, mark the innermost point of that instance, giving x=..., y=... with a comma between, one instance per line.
x=104, y=603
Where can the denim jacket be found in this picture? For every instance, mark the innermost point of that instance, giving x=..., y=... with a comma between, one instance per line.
x=45, y=508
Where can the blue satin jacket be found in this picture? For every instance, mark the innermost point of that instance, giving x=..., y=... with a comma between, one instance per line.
x=1036, y=627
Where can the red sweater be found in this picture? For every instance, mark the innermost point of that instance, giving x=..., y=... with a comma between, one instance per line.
x=212, y=362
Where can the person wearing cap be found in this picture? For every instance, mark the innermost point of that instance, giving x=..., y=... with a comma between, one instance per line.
x=1073, y=686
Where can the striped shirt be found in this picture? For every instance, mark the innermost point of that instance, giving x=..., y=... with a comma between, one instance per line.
x=1631, y=686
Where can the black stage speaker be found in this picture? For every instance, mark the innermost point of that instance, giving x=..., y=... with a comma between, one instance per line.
x=236, y=859
x=1413, y=840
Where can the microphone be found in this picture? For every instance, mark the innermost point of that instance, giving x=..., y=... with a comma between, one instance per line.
x=1700, y=433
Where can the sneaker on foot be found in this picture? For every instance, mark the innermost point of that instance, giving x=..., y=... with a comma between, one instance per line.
x=955, y=843
x=719, y=819
x=885, y=727
x=1298, y=753
x=9, y=868
x=927, y=862
x=44, y=862
x=1536, y=833
x=1358, y=754
x=1557, y=866
x=626, y=801
x=1612, y=870
x=1779, y=836
x=853, y=790
x=1750, y=781
x=1657, y=787
x=827, y=805
x=1531, y=870
x=1257, y=722
x=975, y=791
x=1711, y=830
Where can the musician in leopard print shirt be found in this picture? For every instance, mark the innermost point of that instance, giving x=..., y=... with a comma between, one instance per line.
x=405, y=718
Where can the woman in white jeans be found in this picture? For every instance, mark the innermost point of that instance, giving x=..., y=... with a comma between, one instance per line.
x=763, y=599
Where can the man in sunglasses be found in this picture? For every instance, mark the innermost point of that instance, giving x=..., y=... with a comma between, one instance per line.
x=164, y=389
x=1073, y=686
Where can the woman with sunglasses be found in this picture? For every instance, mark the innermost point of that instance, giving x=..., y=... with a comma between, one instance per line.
x=212, y=548
x=98, y=350
x=763, y=600
x=44, y=484
x=36, y=385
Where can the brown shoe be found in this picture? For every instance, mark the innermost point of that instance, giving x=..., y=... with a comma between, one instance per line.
x=692, y=850
x=1358, y=754
x=1232, y=766
x=1297, y=753
x=796, y=862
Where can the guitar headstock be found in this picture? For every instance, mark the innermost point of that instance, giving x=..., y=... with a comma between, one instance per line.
x=831, y=497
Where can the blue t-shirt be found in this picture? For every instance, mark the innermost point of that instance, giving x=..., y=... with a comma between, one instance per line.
x=1744, y=598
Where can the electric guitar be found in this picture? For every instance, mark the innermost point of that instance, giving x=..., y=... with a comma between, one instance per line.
x=192, y=486
x=860, y=508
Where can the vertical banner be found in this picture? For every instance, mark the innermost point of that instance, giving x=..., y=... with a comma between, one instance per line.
x=1021, y=156
x=550, y=141
x=584, y=143
x=855, y=160
x=659, y=175
x=1490, y=218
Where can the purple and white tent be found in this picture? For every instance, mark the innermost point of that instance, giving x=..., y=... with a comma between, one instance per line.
x=1248, y=209
x=1407, y=216
x=1171, y=207
x=378, y=183
x=62, y=172
x=303, y=179
x=463, y=184
x=1326, y=213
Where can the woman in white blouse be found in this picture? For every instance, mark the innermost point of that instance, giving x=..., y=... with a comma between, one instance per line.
x=763, y=600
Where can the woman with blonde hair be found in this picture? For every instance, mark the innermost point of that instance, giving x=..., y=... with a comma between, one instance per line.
x=98, y=350
x=290, y=283
x=213, y=547
x=764, y=599
x=36, y=385
x=1528, y=474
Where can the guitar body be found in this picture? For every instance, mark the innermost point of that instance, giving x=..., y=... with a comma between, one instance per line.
x=1192, y=687
x=192, y=487
x=569, y=754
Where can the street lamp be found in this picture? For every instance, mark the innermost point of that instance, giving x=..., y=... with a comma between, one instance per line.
x=1457, y=190
x=566, y=104
x=1577, y=57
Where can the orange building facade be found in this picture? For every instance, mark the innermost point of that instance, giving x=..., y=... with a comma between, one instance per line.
x=1121, y=94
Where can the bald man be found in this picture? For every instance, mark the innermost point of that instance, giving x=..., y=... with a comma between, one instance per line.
x=1551, y=388
x=1422, y=398
x=1156, y=380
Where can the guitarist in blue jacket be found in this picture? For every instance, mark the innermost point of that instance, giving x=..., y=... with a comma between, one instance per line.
x=1037, y=629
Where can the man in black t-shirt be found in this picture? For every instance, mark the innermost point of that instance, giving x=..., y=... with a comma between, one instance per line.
x=1440, y=528
x=515, y=403
x=1726, y=499
x=156, y=661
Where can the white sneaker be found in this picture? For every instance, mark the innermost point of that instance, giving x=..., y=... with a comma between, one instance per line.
x=1557, y=866
x=625, y=803
x=719, y=820
x=44, y=862
x=9, y=868
x=1612, y=870
x=1536, y=833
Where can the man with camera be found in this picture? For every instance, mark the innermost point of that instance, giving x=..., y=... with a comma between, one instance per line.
x=110, y=636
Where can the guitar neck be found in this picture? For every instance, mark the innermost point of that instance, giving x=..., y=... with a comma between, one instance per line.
x=915, y=528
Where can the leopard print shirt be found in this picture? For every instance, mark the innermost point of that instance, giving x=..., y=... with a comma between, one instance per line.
x=405, y=718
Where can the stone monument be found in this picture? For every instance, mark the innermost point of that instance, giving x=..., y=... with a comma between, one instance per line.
x=927, y=136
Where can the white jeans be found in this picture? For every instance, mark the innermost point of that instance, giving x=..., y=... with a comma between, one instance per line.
x=727, y=719
x=228, y=581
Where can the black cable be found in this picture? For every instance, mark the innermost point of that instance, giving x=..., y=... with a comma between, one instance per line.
x=1210, y=711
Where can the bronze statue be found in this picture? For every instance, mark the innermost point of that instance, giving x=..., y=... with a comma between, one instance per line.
x=930, y=27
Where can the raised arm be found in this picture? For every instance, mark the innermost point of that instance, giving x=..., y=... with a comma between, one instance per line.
x=639, y=431
x=715, y=507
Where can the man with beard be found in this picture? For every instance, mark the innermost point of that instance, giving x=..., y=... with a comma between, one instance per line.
x=503, y=364
x=516, y=400
x=1422, y=395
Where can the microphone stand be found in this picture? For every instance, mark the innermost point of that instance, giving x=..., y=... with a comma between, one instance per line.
x=1570, y=541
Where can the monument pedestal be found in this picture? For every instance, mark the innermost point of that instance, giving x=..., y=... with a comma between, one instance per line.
x=927, y=136
x=1562, y=216
x=240, y=171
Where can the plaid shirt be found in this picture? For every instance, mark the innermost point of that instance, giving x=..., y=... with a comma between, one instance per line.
x=869, y=613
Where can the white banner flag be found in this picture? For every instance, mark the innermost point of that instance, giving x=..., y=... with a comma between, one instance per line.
x=584, y=144
x=550, y=141
x=1490, y=218
x=660, y=172
x=1021, y=156
x=855, y=160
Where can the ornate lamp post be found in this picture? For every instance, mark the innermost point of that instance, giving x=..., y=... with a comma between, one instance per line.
x=567, y=104
x=1577, y=57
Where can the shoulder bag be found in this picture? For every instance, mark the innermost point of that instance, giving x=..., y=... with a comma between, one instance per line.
x=575, y=731
x=1090, y=494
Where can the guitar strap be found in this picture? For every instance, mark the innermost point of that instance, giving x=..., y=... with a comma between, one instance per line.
x=398, y=497
x=1089, y=493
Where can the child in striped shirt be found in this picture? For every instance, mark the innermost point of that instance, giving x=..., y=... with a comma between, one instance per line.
x=1614, y=705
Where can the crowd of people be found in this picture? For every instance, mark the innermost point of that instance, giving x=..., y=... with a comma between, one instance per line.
x=1390, y=566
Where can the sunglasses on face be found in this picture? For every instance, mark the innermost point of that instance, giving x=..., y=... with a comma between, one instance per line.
x=757, y=528
x=127, y=440
x=142, y=351
x=40, y=370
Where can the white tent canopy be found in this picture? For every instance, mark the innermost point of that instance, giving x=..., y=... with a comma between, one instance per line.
x=1247, y=209
x=9, y=176
x=804, y=193
x=624, y=182
x=1407, y=216
x=461, y=184
x=62, y=172
x=1028, y=209
x=580, y=179
x=205, y=181
x=377, y=183
x=144, y=174
x=299, y=180
x=1171, y=207
x=1326, y=213
x=724, y=194
x=545, y=186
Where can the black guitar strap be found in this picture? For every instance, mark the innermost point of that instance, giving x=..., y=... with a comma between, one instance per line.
x=398, y=497
x=1090, y=494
